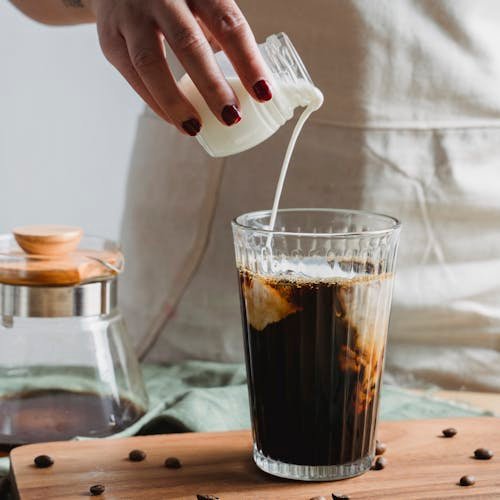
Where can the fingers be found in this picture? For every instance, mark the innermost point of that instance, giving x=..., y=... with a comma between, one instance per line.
x=146, y=51
x=186, y=38
x=132, y=36
x=115, y=50
x=228, y=25
x=138, y=53
x=211, y=40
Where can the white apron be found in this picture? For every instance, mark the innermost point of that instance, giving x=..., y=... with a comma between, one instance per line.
x=410, y=127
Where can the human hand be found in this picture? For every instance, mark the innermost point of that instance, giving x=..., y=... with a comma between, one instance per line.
x=132, y=34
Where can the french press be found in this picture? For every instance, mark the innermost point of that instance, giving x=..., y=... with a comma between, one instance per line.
x=67, y=368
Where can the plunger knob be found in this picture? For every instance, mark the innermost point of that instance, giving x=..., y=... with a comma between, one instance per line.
x=48, y=239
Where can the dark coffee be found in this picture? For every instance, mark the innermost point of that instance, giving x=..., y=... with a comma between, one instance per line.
x=40, y=416
x=314, y=353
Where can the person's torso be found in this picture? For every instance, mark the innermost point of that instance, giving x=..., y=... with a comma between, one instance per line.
x=409, y=127
x=394, y=63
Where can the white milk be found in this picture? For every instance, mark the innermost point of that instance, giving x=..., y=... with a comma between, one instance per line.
x=259, y=120
x=314, y=104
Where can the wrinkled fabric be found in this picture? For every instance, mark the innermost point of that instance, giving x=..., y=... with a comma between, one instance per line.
x=386, y=63
x=410, y=127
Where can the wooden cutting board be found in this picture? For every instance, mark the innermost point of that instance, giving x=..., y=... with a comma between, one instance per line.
x=421, y=464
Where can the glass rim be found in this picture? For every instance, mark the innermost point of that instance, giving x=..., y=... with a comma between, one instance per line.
x=396, y=223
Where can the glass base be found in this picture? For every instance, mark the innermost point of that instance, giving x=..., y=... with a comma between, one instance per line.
x=311, y=472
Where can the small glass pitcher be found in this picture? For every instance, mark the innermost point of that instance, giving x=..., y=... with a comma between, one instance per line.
x=292, y=87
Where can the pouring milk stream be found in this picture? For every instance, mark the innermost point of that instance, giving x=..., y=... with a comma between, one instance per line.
x=292, y=87
x=313, y=105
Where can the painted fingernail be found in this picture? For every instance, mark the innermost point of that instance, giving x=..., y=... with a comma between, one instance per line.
x=262, y=90
x=192, y=126
x=231, y=115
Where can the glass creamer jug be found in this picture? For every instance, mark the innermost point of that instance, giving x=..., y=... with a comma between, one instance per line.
x=66, y=366
x=292, y=87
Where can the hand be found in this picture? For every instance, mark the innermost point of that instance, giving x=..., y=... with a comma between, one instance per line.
x=132, y=34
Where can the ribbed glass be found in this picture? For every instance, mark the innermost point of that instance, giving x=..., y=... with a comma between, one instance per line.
x=291, y=87
x=315, y=298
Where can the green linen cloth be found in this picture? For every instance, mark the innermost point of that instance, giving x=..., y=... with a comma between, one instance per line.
x=205, y=396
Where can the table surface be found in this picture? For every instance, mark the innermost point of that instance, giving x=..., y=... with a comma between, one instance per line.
x=421, y=464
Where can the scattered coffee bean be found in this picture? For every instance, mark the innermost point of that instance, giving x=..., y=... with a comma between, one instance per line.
x=379, y=463
x=43, y=461
x=467, y=480
x=339, y=497
x=97, y=489
x=173, y=463
x=380, y=448
x=450, y=432
x=136, y=456
x=207, y=497
x=318, y=498
x=483, y=454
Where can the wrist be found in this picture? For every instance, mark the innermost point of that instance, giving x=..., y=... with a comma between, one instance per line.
x=79, y=11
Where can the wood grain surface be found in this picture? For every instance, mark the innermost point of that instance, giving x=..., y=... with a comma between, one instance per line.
x=421, y=465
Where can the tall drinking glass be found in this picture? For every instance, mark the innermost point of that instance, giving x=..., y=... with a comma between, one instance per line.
x=315, y=301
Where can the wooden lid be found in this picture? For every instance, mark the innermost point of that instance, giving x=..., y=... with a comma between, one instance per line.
x=48, y=239
x=56, y=255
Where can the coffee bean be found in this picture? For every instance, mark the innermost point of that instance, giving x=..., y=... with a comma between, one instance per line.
x=318, y=498
x=483, y=454
x=43, y=461
x=449, y=432
x=380, y=448
x=97, y=489
x=467, y=480
x=136, y=456
x=173, y=463
x=207, y=497
x=379, y=464
x=339, y=497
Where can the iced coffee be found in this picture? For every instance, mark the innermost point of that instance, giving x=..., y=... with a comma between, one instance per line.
x=314, y=332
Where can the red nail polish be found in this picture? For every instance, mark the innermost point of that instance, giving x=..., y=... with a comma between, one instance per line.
x=231, y=115
x=192, y=126
x=263, y=90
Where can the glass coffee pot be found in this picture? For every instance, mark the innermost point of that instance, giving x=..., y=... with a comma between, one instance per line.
x=67, y=368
